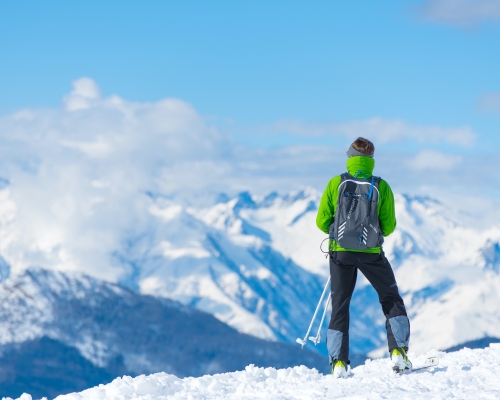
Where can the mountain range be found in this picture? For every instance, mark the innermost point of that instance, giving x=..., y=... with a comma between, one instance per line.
x=256, y=264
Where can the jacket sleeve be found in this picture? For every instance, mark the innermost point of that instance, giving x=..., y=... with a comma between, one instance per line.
x=327, y=205
x=386, y=210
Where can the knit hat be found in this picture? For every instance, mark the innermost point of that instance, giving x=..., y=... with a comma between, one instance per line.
x=352, y=152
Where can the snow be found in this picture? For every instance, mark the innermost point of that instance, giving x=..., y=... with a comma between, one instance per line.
x=464, y=374
x=171, y=251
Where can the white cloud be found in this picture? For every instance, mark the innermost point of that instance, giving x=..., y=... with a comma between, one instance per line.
x=97, y=149
x=379, y=130
x=460, y=13
x=81, y=179
x=79, y=174
x=432, y=160
x=490, y=102
x=85, y=92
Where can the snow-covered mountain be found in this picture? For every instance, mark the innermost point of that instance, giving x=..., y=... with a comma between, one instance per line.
x=255, y=263
x=262, y=256
x=466, y=374
x=448, y=270
x=221, y=263
x=63, y=332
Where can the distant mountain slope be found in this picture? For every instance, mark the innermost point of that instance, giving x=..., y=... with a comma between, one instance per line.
x=217, y=261
x=47, y=367
x=447, y=267
x=85, y=331
x=262, y=255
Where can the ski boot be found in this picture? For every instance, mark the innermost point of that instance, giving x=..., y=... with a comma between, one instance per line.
x=340, y=369
x=400, y=360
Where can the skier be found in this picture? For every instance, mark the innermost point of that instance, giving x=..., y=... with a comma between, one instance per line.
x=357, y=210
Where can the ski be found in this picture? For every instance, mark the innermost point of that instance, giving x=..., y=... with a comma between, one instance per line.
x=429, y=362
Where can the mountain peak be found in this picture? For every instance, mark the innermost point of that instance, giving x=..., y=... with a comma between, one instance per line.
x=244, y=200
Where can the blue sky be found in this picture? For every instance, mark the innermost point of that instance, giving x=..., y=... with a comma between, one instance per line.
x=249, y=64
x=419, y=78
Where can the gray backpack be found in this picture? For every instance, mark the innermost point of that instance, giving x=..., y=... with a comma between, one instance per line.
x=355, y=225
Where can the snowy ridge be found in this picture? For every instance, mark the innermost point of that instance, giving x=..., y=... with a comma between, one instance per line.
x=113, y=326
x=85, y=331
x=464, y=374
x=222, y=263
x=39, y=303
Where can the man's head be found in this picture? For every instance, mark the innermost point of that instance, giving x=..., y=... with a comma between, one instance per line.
x=361, y=147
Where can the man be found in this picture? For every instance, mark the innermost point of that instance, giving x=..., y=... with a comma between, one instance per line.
x=357, y=210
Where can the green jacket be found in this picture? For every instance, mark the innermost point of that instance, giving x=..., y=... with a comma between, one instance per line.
x=328, y=204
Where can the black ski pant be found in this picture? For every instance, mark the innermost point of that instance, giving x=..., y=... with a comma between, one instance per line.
x=344, y=267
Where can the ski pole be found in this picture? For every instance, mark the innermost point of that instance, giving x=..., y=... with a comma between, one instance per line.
x=316, y=339
x=304, y=341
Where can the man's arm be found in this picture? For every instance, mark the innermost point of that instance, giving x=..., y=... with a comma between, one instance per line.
x=386, y=211
x=327, y=204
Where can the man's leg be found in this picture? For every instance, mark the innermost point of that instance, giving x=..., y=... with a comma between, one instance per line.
x=377, y=269
x=343, y=279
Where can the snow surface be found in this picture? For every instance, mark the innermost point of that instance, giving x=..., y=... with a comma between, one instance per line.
x=465, y=374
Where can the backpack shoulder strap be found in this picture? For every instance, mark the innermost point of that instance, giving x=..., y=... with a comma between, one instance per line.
x=345, y=176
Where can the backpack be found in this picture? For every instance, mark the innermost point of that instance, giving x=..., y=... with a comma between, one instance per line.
x=355, y=224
